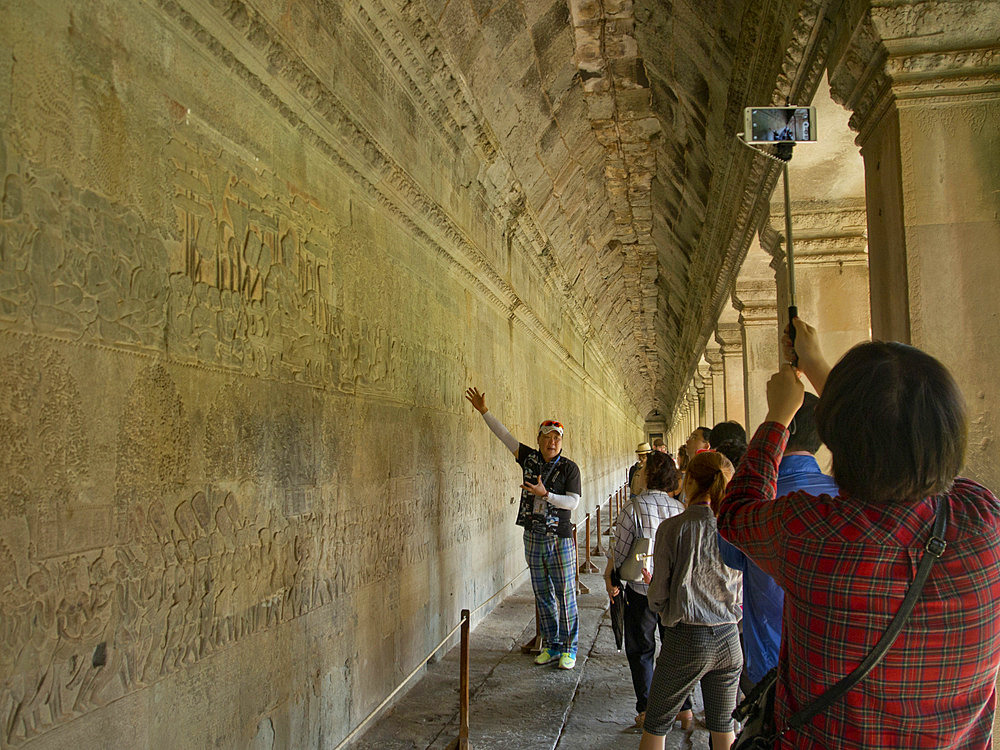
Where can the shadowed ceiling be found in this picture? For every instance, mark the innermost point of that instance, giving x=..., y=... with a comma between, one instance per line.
x=618, y=121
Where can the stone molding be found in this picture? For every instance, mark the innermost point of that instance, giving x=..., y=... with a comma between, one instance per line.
x=756, y=301
x=714, y=359
x=908, y=54
x=825, y=233
x=730, y=339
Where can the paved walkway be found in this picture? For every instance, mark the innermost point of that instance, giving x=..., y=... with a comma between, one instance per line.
x=515, y=704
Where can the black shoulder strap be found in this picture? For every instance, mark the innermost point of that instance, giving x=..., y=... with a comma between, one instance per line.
x=932, y=551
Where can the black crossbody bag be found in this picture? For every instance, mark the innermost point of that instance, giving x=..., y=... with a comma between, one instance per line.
x=756, y=711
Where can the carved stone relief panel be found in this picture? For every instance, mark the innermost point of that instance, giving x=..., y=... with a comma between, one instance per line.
x=231, y=391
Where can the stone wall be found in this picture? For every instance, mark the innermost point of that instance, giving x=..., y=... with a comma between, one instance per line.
x=248, y=262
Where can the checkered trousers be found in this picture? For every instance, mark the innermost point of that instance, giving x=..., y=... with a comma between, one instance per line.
x=692, y=654
x=552, y=564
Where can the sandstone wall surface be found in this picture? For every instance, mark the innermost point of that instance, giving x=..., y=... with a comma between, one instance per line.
x=249, y=259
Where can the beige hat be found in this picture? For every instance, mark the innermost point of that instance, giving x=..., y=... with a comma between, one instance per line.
x=643, y=448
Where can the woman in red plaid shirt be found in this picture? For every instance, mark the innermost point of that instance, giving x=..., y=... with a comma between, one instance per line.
x=894, y=420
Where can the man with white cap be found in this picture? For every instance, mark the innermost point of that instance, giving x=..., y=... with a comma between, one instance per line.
x=549, y=493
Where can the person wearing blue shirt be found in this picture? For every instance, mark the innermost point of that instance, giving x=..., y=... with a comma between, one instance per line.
x=763, y=599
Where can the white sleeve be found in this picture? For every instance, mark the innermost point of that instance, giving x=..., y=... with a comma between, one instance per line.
x=569, y=501
x=496, y=426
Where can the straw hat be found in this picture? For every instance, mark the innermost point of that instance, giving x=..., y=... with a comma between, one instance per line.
x=643, y=448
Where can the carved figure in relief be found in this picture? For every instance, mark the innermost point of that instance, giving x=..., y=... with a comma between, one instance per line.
x=44, y=461
x=153, y=450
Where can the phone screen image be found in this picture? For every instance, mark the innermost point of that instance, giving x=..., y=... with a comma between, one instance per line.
x=772, y=124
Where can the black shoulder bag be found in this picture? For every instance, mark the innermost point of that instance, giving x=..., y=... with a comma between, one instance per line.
x=756, y=711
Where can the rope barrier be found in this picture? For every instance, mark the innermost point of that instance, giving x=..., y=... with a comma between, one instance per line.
x=464, y=625
x=399, y=687
x=501, y=590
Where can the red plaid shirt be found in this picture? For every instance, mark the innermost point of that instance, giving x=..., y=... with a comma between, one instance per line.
x=845, y=567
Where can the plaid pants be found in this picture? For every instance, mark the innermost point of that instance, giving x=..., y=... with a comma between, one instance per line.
x=552, y=564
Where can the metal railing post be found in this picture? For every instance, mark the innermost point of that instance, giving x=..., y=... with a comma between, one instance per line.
x=463, y=688
x=588, y=566
x=581, y=588
x=597, y=547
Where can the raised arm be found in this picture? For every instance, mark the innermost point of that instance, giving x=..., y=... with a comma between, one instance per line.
x=806, y=351
x=747, y=517
x=478, y=401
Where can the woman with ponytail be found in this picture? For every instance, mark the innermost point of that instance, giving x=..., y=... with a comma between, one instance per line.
x=697, y=599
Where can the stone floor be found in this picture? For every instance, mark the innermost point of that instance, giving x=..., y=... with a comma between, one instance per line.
x=515, y=704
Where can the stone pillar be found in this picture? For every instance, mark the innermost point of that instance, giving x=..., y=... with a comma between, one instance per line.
x=707, y=388
x=755, y=299
x=699, y=391
x=921, y=80
x=695, y=405
x=730, y=339
x=831, y=270
x=713, y=356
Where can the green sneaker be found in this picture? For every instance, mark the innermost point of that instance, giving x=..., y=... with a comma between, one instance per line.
x=547, y=655
x=567, y=660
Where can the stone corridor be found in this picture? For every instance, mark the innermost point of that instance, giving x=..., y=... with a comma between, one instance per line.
x=514, y=704
x=252, y=252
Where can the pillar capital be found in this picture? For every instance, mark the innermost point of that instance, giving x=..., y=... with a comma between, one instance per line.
x=757, y=302
x=730, y=338
x=714, y=359
x=913, y=54
x=831, y=232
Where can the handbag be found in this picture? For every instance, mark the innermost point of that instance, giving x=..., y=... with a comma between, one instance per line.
x=631, y=570
x=756, y=711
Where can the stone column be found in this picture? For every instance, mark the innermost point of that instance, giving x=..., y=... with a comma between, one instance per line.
x=756, y=301
x=730, y=339
x=699, y=391
x=921, y=80
x=713, y=356
x=831, y=270
x=707, y=388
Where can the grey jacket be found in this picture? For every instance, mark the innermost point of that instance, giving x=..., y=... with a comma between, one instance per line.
x=690, y=582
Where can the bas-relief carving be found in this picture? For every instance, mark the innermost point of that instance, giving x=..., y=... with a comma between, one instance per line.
x=56, y=272
x=248, y=286
x=44, y=460
x=196, y=570
x=199, y=563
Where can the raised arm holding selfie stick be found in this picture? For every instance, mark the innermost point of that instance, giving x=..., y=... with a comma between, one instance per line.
x=895, y=423
x=550, y=491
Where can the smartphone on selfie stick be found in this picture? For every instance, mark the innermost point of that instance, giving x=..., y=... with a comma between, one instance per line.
x=783, y=127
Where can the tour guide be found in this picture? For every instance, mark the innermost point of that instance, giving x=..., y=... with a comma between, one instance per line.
x=550, y=492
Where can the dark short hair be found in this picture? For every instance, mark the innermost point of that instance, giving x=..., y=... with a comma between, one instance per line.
x=895, y=422
x=727, y=431
x=706, y=434
x=803, y=435
x=733, y=449
x=661, y=474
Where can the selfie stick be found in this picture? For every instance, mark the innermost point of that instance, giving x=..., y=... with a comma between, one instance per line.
x=785, y=154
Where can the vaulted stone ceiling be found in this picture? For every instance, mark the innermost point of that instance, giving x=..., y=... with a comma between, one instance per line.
x=617, y=121
x=603, y=140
